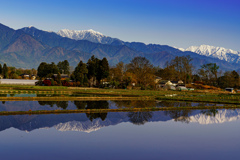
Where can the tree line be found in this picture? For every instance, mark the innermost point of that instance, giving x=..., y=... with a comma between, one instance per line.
x=181, y=68
x=16, y=73
x=142, y=73
x=139, y=72
x=85, y=74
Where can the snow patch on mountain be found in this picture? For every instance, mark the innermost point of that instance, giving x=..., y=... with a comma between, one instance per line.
x=89, y=35
x=221, y=53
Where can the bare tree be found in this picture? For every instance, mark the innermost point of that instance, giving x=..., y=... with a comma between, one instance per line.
x=143, y=69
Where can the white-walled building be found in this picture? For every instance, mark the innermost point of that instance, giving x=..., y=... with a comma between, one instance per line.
x=18, y=81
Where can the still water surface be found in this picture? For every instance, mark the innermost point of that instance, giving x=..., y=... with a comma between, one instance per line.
x=196, y=134
x=188, y=134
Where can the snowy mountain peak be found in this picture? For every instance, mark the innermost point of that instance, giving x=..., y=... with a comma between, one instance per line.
x=82, y=34
x=30, y=27
x=210, y=50
x=89, y=35
x=77, y=33
x=228, y=55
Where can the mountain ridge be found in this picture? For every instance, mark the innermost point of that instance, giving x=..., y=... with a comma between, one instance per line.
x=48, y=46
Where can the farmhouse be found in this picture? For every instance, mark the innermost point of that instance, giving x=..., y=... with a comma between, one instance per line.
x=229, y=90
x=63, y=76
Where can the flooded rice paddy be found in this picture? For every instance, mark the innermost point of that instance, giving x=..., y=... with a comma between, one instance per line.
x=176, y=134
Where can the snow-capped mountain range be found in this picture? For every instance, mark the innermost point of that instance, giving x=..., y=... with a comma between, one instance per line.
x=89, y=35
x=215, y=52
x=205, y=50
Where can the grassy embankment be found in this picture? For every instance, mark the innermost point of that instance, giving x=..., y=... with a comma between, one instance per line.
x=62, y=93
x=116, y=110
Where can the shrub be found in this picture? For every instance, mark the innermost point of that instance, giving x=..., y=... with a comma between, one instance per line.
x=47, y=82
x=65, y=83
x=39, y=83
x=52, y=82
x=74, y=84
x=55, y=83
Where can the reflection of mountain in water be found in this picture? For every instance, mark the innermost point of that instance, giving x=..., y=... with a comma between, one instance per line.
x=221, y=117
x=80, y=122
x=89, y=122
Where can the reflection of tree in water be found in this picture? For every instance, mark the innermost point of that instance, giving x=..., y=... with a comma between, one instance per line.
x=3, y=95
x=179, y=115
x=97, y=105
x=80, y=104
x=50, y=103
x=123, y=104
x=174, y=104
x=135, y=104
x=62, y=104
x=59, y=104
x=139, y=118
x=11, y=95
x=210, y=112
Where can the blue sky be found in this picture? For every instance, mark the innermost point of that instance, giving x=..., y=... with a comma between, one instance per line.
x=179, y=23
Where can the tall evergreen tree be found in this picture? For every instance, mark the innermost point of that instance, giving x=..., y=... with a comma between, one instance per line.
x=80, y=72
x=5, y=71
x=103, y=70
x=1, y=69
x=46, y=70
x=52, y=68
x=41, y=71
x=64, y=67
x=59, y=79
x=93, y=67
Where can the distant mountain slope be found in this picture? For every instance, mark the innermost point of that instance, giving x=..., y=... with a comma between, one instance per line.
x=7, y=35
x=25, y=45
x=216, y=52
